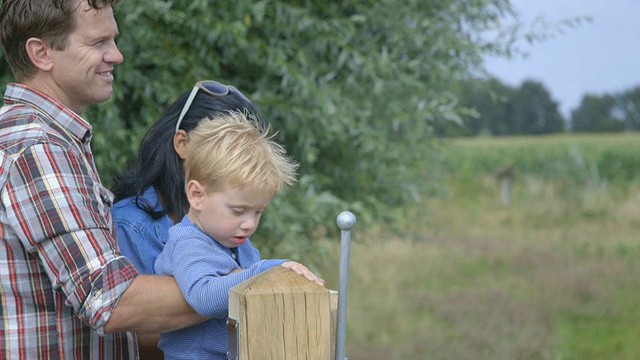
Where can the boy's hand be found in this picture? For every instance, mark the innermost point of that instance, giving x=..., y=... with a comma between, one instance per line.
x=302, y=270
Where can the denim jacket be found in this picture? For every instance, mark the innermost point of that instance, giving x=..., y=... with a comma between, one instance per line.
x=139, y=236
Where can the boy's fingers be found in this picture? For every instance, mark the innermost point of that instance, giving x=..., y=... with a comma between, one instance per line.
x=304, y=271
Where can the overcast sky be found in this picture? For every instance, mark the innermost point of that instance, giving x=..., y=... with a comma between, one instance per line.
x=599, y=57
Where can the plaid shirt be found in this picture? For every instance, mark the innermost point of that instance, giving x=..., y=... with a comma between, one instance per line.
x=61, y=274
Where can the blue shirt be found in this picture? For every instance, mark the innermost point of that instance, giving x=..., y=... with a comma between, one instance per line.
x=201, y=267
x=140, y=237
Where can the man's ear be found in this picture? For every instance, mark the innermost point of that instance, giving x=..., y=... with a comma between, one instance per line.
x=196, y=194
x=181, y=143
x=40, y=53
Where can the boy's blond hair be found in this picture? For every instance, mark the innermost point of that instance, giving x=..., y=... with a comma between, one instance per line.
x=233, y=149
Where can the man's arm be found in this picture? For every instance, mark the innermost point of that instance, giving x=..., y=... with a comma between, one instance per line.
x=148, y=347
x=62, y=217
x=152, y=304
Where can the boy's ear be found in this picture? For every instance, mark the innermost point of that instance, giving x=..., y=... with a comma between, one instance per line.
x=181, y=143
x=196, y=194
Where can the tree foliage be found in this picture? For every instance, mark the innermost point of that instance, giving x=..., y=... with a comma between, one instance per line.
x=354, y=88
x=489, y=101
x=629, y=106
x=534, y=111
x=594, y=114
x=498, y=109
x=608, y=112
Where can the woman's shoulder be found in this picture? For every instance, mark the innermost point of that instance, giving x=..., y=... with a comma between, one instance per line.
x=127, y=210
x=141, y=237
x=132, y=207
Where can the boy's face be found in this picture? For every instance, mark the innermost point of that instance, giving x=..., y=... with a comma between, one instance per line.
x=229, y=216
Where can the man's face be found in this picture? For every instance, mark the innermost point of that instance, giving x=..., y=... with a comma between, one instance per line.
x=83, y=71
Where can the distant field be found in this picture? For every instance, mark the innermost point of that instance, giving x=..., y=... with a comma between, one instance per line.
x=613, y=157
x=556, y=275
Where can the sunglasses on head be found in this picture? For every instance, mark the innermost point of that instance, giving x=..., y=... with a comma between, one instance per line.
x=210, y=87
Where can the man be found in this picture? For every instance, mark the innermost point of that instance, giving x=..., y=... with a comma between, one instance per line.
x=65, y=290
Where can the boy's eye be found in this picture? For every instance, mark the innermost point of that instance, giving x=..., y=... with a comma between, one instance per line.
x=238, y=211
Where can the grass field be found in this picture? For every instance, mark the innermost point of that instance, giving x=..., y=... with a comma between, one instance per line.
x=555, y=275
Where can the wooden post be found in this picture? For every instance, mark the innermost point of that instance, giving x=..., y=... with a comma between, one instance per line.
x=505, y=177
x=333, y=304
x=280, y=315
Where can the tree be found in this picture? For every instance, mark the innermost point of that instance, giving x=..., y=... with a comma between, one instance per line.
x=500, y=109
x=595, y=114
x=352, y=87
x=533, y=111
x=488, y=101
x=629, y=105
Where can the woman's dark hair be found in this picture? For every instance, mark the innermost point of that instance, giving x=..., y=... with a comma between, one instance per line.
x=159, y=165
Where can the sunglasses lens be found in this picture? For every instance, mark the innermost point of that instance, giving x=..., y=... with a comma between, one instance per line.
x=214, y=87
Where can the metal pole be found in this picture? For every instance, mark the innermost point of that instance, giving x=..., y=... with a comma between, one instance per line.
x=346, y=221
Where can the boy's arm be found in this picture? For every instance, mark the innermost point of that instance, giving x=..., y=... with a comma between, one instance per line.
x=204, y=273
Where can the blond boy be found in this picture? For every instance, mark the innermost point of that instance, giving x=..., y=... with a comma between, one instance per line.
x=233, y=168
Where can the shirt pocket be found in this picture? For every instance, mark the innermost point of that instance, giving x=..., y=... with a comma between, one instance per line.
x=105, y=197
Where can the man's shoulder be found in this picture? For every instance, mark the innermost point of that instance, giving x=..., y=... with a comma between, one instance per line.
x=19, y=130
x=22, y=127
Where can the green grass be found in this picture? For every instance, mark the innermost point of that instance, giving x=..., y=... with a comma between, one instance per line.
x=608, y=156
x=556, y=275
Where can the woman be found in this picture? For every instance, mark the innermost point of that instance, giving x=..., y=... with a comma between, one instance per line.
x=150, y=196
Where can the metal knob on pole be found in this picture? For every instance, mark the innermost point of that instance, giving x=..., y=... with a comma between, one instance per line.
x=346, y=221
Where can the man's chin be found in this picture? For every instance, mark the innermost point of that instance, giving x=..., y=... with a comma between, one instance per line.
x=104, y=97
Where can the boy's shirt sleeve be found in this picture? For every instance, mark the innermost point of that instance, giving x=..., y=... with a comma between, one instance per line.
x=203, y=273
x=268, y=264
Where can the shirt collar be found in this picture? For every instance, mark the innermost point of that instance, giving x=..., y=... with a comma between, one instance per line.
x=55, y=111
x=151, y=196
